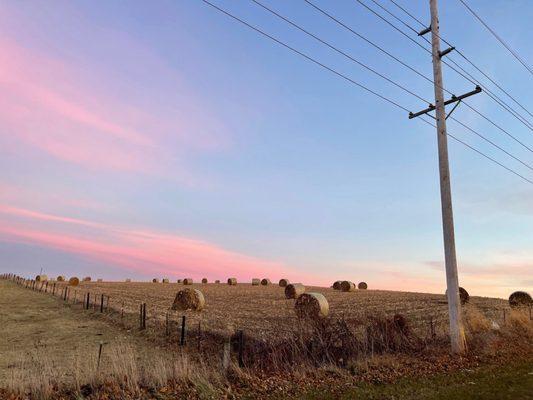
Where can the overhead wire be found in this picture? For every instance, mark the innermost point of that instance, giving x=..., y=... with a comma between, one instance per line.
x=493, y=32
x=348, y=79
x=462, y=55
x=348, y=56
x=456, y=68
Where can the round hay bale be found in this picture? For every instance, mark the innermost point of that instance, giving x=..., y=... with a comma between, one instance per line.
x=293, y=290
x=187, y=281
x=204, y=280
x=179, y=281
x=256, y=282
x=520, y=299
x=99, y=280
x=362, y=286
x=464, y=297
x=311, y=305
x=217, y=281
x=128, y=280
x=61, y=278
x=41, y=278
x=283, y=282
x=166, y=280
x=347, y=286
x=189, y=299
x=87, y=279
x=337, y=285
x=232, y=281
x=265, y=282
x=155, y=280
x=73, y=281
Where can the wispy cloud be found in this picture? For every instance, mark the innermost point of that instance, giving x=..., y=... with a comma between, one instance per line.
x=142, y=250
x=46, y=104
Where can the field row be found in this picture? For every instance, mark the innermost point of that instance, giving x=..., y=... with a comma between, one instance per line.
x=263, y=311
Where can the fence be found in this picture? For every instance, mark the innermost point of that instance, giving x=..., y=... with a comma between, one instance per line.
x=186, y=333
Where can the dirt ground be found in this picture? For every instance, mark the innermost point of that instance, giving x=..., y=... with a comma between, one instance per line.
x=38, y=333
x=263, y=311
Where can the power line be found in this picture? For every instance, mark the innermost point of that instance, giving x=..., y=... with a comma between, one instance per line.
x=339, y=51
x=292, y=23
x=462, y=55
x=514, y=53
x=461, y=71
x=309, y=58
x=480, y=153
x=454, y=69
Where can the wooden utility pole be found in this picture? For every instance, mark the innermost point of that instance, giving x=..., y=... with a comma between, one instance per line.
x=457, y=334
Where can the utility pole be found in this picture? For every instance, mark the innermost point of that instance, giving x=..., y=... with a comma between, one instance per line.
x=457, y=334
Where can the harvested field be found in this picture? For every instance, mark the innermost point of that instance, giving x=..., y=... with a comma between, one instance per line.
x=263, y=311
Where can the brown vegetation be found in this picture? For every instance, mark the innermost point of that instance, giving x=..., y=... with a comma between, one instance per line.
x=311, y=305
x=189, y=299
x=293, y=290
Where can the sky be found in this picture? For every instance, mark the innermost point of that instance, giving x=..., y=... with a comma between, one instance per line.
x=164, y=139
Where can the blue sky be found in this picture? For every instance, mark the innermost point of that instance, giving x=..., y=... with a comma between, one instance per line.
x=235, y=156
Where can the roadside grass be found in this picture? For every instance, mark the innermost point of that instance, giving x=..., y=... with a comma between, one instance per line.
x=513, y=381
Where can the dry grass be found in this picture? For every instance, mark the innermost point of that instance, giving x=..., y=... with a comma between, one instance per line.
x=264, y=311
x=48, y=347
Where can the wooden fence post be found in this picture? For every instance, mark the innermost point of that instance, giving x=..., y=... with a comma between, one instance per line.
x=226, y=354
x=144, y=315
x=102, y=303
x=241, y=348
x=88, y=300
x=199, y=336
x=182, y=339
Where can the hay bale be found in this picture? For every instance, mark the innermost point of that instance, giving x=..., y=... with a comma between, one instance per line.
x=87, y=279
x=265, y=282
x=337, y=285
x=187, y=281
x=73, y=281
x=464, y=297
x=41, y=278
x=189, y=299
x=293, y=290
x=520, y=299
x=347, y=286
x=217, y=281
x=362, y=286
x=311, y=305
x=232, y=281
x=128, y=280
x=155, y=280
x=180, y=281
x=99, y=280
x=165, y=280
x=283, y=282
x=256, y=282
x=204, y=280
x=61, y=278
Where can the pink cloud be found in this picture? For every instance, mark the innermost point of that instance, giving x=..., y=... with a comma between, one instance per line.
x=144, y=251
x=47, y=104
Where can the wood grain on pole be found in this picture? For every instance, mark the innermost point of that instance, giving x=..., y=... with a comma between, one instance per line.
x=457, y=334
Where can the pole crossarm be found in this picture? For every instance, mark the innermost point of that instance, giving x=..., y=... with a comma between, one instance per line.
x=454, y=99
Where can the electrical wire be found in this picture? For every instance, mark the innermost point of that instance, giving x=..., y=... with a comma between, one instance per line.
x=292, y=23
x=316, y=62
x=467, y=59
x=514, y=53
